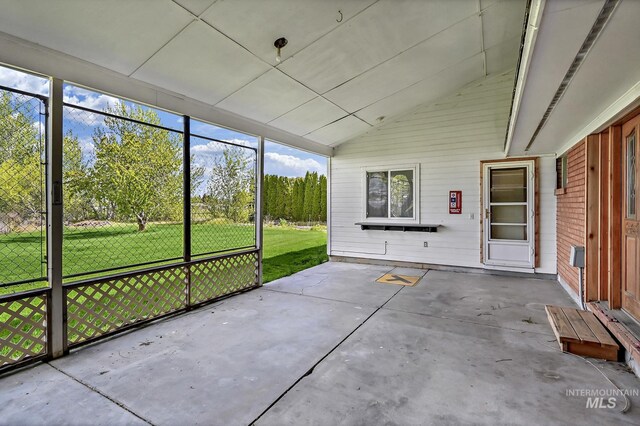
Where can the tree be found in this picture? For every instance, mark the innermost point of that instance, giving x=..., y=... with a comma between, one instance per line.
x=21, y=173
x=231, y=184
x=270, y=193
x=298, y=200
x=76, y=182
x=284, y=198
x=323, y=198
x=281, y=188
x=310, y=183
x=138, y=167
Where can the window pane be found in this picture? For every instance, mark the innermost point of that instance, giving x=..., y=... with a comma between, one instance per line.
x=402, y=193
x=509, y=185
x=223, y=196
x=122, y=191
x=377, y=194
x=509, y=214
x=509, y=232
x=631, y=175
x=559, y=173
x=22, y=189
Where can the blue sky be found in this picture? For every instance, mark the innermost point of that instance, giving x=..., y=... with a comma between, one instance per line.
x=279, y=159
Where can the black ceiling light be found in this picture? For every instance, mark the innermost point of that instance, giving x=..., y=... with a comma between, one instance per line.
x=279, y=44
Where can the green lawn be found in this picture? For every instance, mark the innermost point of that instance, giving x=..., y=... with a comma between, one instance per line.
x=286, y=249
x=289, y=250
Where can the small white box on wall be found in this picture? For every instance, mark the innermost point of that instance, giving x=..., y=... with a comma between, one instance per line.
x=576, y=258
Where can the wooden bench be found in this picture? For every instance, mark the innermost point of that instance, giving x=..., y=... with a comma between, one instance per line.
x=580, y=333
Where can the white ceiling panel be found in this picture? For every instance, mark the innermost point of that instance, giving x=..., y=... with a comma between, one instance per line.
x=502, y=21
x=339, y=131
x=308, y=117
x=425, y=91
x=195, y=6
x=203, y=64
x=439, y=52
x=503, y=56
x=267, y=97
x=257, y=24
x=119, y=35
x=487, y=3
x=374, y=36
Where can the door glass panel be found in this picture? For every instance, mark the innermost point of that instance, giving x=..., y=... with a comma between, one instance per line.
x=631, y=176
x=509, y=232
x=509, y=214
x=377, y=194
x=508, y=204
x=402, y=193
x=508, y=185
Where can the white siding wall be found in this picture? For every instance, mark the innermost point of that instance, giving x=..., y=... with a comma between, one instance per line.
x=448, y=139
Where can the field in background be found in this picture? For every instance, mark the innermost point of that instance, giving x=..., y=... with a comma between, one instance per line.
x=286, y=249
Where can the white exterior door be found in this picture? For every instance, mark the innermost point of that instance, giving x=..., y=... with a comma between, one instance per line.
x=509, y=229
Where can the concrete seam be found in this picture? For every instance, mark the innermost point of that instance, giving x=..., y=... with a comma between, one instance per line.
x=323, y=298
x=313, y=367
x=93, y=388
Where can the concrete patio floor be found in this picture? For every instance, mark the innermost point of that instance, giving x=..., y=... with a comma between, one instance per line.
x=330, y=346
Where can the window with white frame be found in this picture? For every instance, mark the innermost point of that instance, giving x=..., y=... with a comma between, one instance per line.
x=391, y=193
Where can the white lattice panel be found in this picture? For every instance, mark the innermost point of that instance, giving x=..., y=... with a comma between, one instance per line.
x=23, y=331
x=218, y=277
x=100, y=308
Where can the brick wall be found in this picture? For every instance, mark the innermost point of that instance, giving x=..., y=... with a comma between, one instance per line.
x=571, y=217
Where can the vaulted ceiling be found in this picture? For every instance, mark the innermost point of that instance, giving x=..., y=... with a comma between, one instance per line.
x=348, y=65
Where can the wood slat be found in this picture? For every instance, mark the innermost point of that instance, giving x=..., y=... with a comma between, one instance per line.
x=603, y=223
x=592, y=208
x=593, y=351
x=582, y=329
x=615, y=223
x=561, y=326
x=598, y=329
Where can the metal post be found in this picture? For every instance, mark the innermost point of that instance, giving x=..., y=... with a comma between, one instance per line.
x=57, y=343
x=581, y=292
x=328, y=207
x=259, y=206
x=186, y=200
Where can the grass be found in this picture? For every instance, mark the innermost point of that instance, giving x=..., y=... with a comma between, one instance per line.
x=289, y=250
x=289, y=263
x=286, y=249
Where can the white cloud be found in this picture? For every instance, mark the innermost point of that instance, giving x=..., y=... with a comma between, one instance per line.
x=210, y=148
x=243, y=142
x=87, y=146
x=79, y=119
x=88, y=99
x=214, y=148
x=22, y=81
x=38, y=126
x=289, y=165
